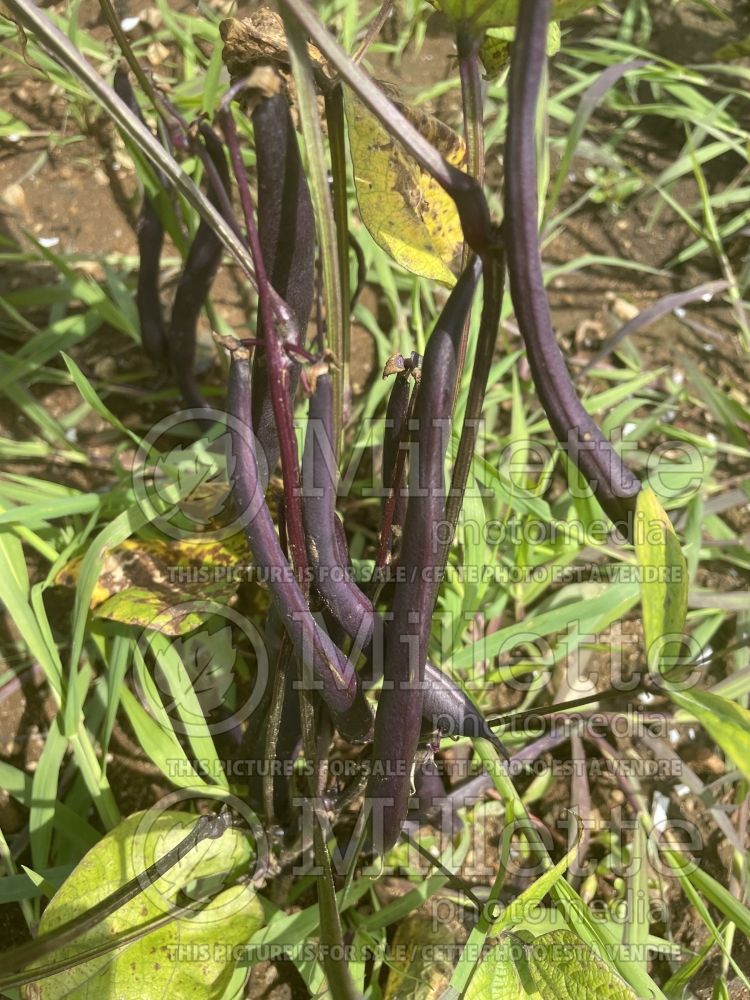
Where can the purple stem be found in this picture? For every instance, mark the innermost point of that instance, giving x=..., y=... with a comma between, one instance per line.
x=271, y=307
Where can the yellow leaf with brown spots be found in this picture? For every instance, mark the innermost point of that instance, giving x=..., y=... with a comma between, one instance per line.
x=406, y=212
x=147, y=582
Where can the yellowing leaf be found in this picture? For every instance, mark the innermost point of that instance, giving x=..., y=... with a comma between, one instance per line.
x=150, y=582
x=147, y=609
x=406, y=212
x=500, y=13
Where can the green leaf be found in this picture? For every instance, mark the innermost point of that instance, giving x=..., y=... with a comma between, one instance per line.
x=563, y=967
x=158, y=741
x=88, y=393
x=556, y=966
x=531, y=898
x=496, y=47
x=591, y=614
x=664, y=581
x=725, y=721
x=497, y=976
x=482, y=14
x=191, y=956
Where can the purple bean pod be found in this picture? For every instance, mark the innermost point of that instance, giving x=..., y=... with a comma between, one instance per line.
x=613, y=484
x=450, y=712
x=395, y=419
x=332, y=579
x=431, y=803
x=150, y=233
x=447, y=709
x=398, y=720
x=289, y=735
x=201, y=265
x=334, y=676
x=286, y=229
x=400, y=402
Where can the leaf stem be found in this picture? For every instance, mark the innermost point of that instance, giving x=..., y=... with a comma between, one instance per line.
x=325, y=220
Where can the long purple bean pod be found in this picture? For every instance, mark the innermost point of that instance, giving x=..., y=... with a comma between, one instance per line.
x=150, y=233
x=278, y=324
x=395, y=419
x=288, y=737
x=613, y=484
x=286, y=230
x=335, y=677
x=201, y=265
x=401, y=404
x=398, y=720
x=341, y=596
x=447, y=709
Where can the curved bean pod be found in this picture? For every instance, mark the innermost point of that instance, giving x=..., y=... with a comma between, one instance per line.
x=335, y=677
x=289, y=734
x=150, y=233
x=201, y=265
x=613, y=484
x=450, y=711
x=398, y=720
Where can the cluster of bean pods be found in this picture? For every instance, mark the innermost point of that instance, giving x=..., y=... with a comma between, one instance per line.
x=323, y=627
